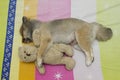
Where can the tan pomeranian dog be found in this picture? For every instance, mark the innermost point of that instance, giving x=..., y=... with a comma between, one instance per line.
x=68, y=31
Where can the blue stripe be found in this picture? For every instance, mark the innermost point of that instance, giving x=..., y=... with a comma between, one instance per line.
x=9, y=40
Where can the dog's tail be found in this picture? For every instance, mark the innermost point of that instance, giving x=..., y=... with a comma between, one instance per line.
x=103, y=33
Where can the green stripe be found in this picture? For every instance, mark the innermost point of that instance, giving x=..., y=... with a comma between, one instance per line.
x=3, y=22
x=109, y=14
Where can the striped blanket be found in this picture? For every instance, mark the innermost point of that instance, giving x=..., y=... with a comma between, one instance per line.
x=107, y=54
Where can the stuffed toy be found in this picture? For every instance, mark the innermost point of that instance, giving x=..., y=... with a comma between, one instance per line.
x=56, y=54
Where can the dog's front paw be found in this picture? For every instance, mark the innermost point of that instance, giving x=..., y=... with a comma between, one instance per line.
x=89, y=61
x=40, y=68
x=39, y=62
x=36, y=38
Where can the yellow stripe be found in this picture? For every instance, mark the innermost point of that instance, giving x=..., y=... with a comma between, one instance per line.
x=3, y=23
x=30, y=8
x=27, y=71
x=14, y=72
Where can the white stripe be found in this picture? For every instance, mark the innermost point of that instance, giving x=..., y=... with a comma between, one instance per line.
x=81, y=72
x=83, y=9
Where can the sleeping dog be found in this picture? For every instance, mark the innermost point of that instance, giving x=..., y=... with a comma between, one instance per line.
x=68, y=31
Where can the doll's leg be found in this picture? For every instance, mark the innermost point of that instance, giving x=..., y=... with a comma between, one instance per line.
x=64, y=48
x=53, y=56
x=68, y=62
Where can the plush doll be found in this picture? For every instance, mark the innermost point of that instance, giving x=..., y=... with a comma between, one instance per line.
x=56, y=54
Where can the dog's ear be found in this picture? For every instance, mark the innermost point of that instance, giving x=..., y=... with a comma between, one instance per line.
x=25, y=19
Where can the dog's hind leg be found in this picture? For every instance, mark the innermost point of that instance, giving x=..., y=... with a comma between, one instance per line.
x=83, y=38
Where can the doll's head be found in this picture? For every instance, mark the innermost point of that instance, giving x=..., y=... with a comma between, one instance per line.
x=27, y=53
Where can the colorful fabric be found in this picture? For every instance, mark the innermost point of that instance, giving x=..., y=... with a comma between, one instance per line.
x=107, y=62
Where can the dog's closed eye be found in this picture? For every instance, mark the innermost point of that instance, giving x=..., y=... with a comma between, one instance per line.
x=26, y=40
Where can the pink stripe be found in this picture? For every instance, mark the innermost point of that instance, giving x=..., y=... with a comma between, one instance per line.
x=53, y=9
x=49, y=10
x=53, y=71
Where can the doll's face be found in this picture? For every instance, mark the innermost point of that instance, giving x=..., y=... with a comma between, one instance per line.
x=27, y=53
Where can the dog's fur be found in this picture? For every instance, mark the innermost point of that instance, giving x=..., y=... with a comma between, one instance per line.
x=69, y=31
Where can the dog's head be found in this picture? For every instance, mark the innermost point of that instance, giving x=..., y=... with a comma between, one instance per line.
x=26, y=30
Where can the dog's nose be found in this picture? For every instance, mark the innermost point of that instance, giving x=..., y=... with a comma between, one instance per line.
x=28, y=54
